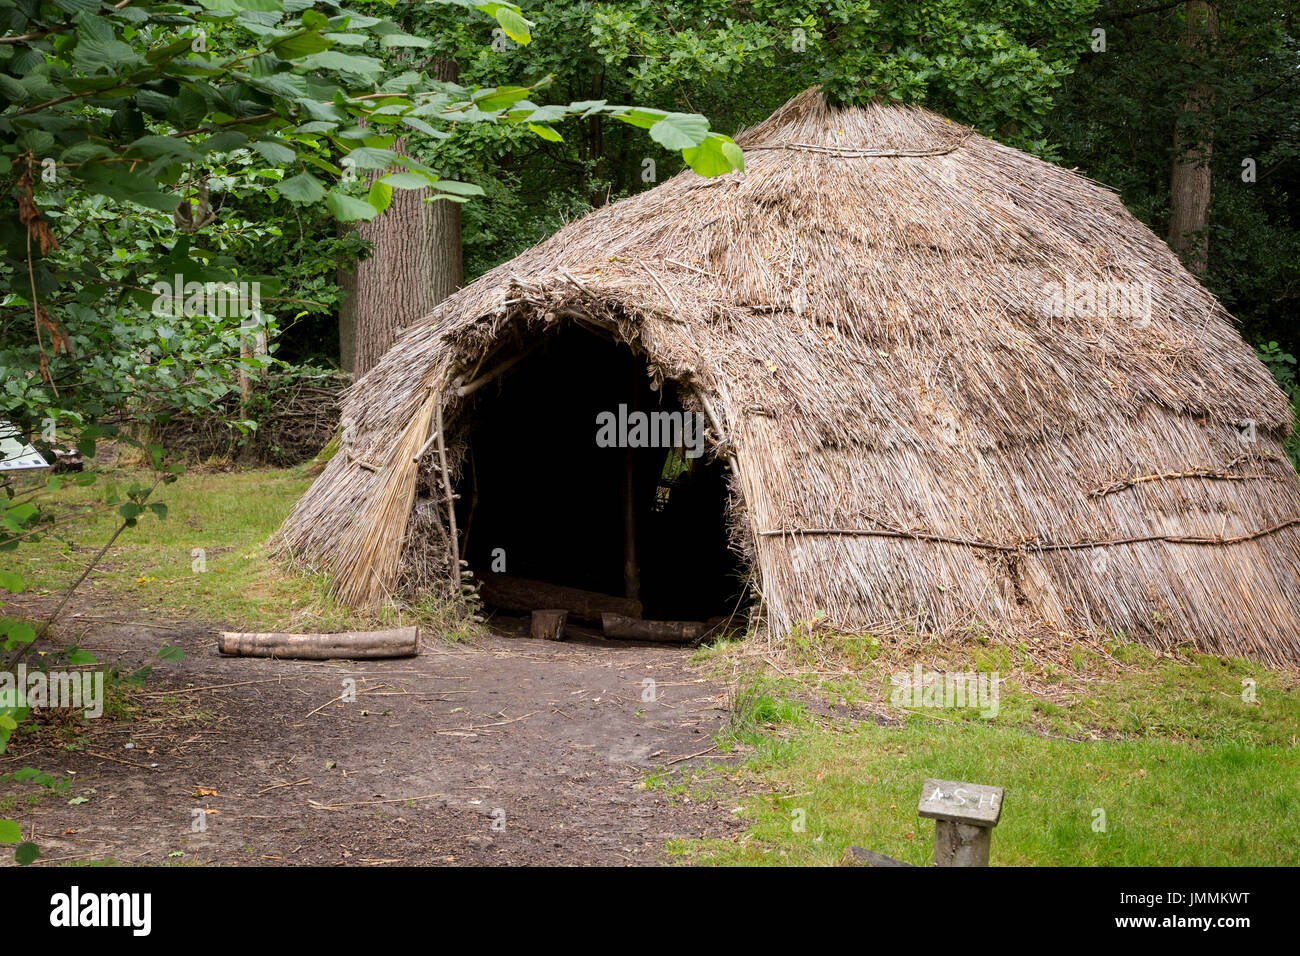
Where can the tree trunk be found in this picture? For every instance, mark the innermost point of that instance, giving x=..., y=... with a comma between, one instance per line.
x=414, y=265
x=1189, y=185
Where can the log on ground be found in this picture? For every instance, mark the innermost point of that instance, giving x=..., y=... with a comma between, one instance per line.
x=523, y=595
x=667, y=632
x=346, y=645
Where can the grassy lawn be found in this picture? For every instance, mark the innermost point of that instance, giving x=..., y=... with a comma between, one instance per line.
x=205, y=560
x=1128, y=759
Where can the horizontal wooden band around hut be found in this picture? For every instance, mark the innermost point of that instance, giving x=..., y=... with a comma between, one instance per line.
x=1028, y=546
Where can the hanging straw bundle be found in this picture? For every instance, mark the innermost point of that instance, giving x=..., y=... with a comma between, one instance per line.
x=369, y=554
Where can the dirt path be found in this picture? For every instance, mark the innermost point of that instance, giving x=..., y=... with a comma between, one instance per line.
x=513, y=751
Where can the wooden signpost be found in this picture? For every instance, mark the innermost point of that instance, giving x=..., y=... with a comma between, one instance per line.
x=964, y=816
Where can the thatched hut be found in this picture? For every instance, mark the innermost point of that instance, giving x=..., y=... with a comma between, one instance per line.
x=947, y=385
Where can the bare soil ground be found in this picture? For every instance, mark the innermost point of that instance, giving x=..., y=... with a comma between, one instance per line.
x=510, y=751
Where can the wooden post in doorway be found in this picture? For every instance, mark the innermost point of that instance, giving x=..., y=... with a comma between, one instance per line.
x=631, y=567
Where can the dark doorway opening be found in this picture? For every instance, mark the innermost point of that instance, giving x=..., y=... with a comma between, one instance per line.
x=539, y=493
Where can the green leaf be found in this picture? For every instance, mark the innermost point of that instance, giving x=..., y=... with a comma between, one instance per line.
x=642, y=118
x=344, y=62
x=81, y=657
x=407, y=181
x=17, y=632
x=98, y=49
x=381, y=194
x=171, y=654
x=405, y=39
x=298, y=45
x=500, y=98
x=277, y=154
x=546, y=133
x=26, y=853
x=366, y=157
x=348, y=208
x=12, y=90
x=10, y=832
x=515, y=26
x=680, y=131
x=12, y=582
x=458, y=188
x=234, y=6
x=733, y=154
x=303, y=188
x=711, y=158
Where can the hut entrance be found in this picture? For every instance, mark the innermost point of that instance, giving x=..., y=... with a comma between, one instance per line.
x=557, y=476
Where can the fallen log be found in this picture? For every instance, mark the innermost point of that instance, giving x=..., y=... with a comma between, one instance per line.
x=667, y=632
x=523, y=595
x=398, y=642
x=548, y=625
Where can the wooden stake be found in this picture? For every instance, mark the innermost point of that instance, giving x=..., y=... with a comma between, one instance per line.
x=451, y=499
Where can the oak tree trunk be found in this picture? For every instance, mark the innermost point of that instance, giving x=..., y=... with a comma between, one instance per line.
x=414, y=265
x=1189, y=185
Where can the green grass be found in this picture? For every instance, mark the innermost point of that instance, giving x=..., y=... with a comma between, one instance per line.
x=150, y=572
x=1125, y=758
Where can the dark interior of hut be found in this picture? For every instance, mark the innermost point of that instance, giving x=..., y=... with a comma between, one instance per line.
x=544, y=495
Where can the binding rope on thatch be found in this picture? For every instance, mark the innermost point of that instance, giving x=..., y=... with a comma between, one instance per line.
x=1030, y=546
x=1219, y=474
x=371, y=549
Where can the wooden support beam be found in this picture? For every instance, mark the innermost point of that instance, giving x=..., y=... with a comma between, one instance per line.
x=471, y=387
x=631, y=565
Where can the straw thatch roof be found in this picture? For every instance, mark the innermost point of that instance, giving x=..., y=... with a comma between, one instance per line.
x=923, y=437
